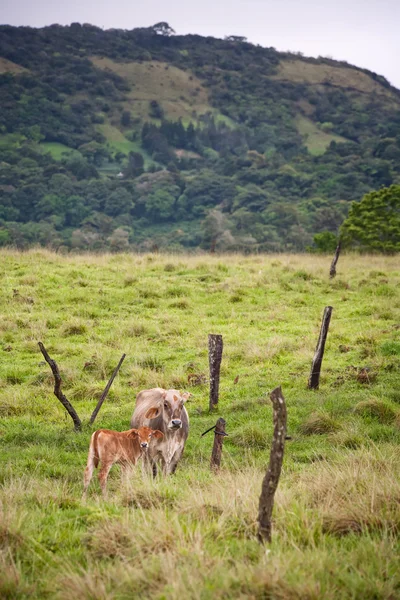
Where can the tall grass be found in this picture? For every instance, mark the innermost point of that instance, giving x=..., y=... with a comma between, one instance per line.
x=336, y=517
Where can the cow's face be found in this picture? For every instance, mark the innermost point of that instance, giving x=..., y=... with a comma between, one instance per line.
x=145, y=434
x=170, y=408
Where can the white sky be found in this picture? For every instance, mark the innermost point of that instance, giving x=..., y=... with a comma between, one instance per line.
x=366, y=33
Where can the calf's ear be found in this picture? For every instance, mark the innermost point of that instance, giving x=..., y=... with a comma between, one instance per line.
x=185, y=396
x=133, y=432
x=158, y=434
x=152, y=413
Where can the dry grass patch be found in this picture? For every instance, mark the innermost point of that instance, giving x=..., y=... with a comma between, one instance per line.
x=91, y=391
x=250, y=435
x=110, y=539
x=319, y=423
x=301, y=71
x=359, y=493
x=350, y=438
x=7, y=66
x=180, y=92
x=75, y=327
x=12, y=585
x=137, y=329
x=377, y=409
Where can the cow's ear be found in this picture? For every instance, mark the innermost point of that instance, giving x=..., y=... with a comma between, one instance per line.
x=164, y=394
x=133, y=433
x=157, y=434
x=185, y=396
x=152, y=413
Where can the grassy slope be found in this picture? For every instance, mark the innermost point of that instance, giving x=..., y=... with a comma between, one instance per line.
x=118, y=142
x=56, y=149
x=180, y=93
x=316, y=140
x=337, y=513
x=7, y=66
x=336, y=76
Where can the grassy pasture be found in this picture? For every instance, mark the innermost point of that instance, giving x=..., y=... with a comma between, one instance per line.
x=180, y=93
x=7, y=66
x=338, y=76
x=56, y=149
x=337, y=511
x=316, y=140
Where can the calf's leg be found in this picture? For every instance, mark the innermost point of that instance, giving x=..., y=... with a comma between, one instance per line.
x=104, y=471
x=87, y=476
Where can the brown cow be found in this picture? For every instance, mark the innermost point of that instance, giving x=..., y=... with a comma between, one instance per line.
x=163, y=410
x=121, y=447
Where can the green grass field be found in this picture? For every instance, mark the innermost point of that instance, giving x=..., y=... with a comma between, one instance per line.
x=56, y=149
x=316, y=140
x=337, y=510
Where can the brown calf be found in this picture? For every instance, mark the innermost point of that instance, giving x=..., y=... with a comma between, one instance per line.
x=122, y=447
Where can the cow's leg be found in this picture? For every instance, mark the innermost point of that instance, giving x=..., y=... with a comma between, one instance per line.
x=154, y=468
x=104, y=471
x=164, y=466
x=174, y=461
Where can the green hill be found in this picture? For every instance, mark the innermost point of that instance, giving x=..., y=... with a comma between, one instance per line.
x=143, y=139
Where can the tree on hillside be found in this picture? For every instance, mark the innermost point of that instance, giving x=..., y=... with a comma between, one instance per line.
x=125, y=118
x=163, y=28
x=374, y=223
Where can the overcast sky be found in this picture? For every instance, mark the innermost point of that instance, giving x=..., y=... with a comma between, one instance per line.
x=363, y=32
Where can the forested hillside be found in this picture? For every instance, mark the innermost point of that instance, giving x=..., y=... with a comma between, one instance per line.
x=145, y=139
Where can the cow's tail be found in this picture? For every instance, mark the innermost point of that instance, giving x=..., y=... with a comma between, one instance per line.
x=92, y=461
x=93, y=456
x=96, y=456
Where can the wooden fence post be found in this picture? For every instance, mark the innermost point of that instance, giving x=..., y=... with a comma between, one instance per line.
x=332, y=270
x=313, y=382
x=271, y=479
x=57, y=389
x=215, y=347
x=106, y=390
x=219, y=434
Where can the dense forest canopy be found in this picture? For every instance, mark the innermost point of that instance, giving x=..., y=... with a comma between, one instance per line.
x=145, y=139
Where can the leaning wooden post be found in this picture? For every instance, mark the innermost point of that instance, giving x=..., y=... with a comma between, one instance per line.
x=219, y=434
x=57, y=389
x=313, y=382
x=215, y=347
x=106, y=390
x=332, y=270
x=271, y=479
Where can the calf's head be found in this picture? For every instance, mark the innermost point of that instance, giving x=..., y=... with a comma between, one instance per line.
x=170, y=408
x=145, y=434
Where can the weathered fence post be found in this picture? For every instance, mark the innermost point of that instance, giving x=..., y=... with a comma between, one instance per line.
x=332, y=270
x=271, y=479
x=57, y=389
x=215, y=347
x=219, y=434
x=313, y=382
x=106, y=390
